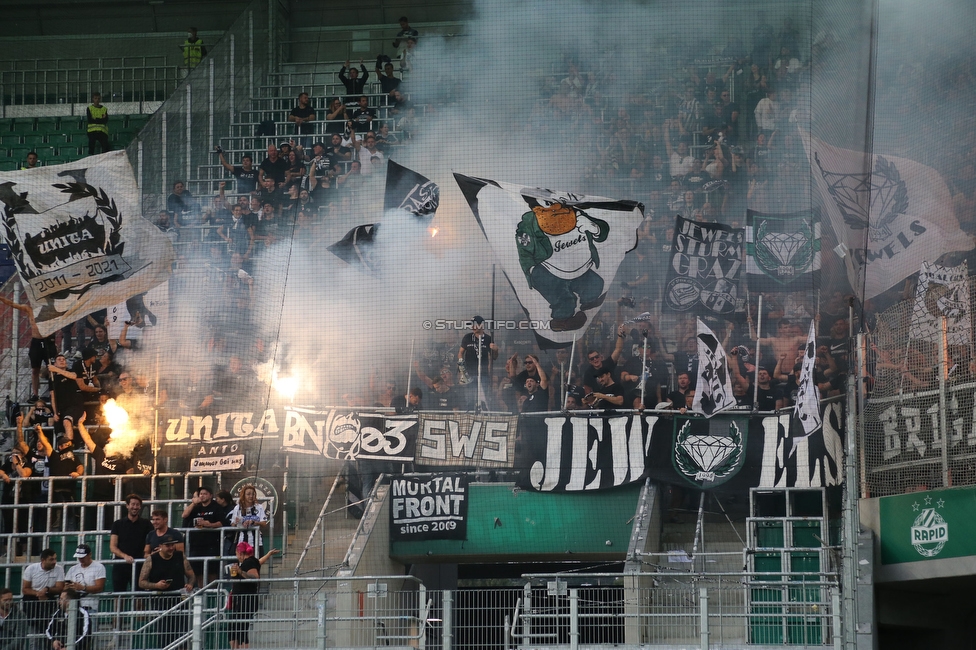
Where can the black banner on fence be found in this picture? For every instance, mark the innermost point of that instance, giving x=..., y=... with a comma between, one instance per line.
x=729, y=452
x=431, y=506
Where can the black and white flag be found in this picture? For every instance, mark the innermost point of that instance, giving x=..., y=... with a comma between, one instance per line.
x=714, y=388
x=559, y=250
x=78, y=238
x=807, y=407
x=942, y=291
x=410, y=191
x=356, y=248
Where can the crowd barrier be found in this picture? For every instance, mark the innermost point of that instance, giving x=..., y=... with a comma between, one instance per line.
x=564, y=610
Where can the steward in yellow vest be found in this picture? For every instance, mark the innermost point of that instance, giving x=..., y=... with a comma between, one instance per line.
x=193, y=50
x=97, y=125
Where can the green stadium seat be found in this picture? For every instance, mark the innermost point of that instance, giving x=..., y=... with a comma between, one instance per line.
x=8, y=165
x=60, y=138
x=10, y=139
x=34, y=139
x=46, y=151
x=23, y=125
x=136, y=122
x=6, y=126
x=48, y=124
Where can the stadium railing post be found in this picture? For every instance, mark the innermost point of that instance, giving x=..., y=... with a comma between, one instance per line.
x=320, y=632
x=574, y=619
x=447, y=634
x=703, y=615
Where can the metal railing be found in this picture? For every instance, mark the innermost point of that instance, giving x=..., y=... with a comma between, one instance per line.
x=182, y=132
x=74, y=86
x=564, y=610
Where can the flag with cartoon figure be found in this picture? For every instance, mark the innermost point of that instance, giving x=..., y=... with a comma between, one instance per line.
x=559, y=250
x=78, y=237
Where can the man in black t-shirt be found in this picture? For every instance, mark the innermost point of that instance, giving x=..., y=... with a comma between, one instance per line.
x=478, y=351
x=354, y=83
x=363, y=116
x=205, y=516
x=536, y=398
x=336, y=151
x=246, y=174
x=273, y=166
x=598, y=362
x=444, y=397
x=303, y=116
x=63, y=463
x=127, y=542
x=388, y=82
x=608, y=394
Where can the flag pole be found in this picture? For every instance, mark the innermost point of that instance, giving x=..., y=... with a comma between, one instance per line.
x=943, y=380
x=572, y=354
x=816, y=313
x=406, y=397
x=492, y=293
x=644, y=372
x=755, y=381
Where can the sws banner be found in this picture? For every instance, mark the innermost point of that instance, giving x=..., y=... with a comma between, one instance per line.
x=730, y=451
x=432, y=506
x=466, y=440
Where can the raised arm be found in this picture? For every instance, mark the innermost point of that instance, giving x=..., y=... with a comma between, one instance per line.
x=619, y=347
x=543, y=378
x=83, y=430
x=10, y=303
x=48, y=449
x=223, y=162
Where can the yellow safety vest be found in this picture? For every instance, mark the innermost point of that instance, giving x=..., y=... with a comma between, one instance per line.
x=97, y=119
x=192, y=53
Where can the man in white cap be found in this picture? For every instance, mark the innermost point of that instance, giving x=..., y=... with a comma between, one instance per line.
x=86, y=579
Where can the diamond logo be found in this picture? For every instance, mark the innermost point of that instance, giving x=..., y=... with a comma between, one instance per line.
x=708, y=452
x=783, y=246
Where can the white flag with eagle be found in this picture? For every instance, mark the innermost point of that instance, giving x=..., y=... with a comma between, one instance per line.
x=78, y=238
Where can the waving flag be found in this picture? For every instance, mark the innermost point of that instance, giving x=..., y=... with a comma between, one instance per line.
x=410, y=191
x=942, y=292
x=889, y=214
x=79, y=240
x=714, y=388
x=406, y=190
x=559, y=250
x=807, y=408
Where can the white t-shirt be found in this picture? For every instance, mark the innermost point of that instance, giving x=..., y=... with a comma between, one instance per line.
x=680, y=166
x=39, y=578
x=87, y=576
